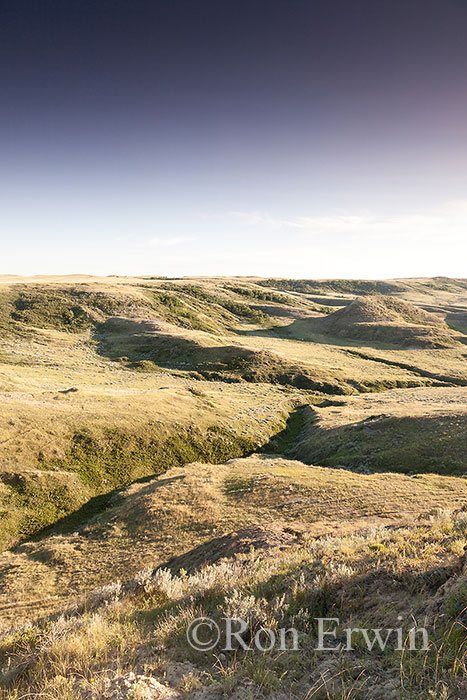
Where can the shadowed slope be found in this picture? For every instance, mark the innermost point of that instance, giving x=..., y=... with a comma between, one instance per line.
x=420, y=430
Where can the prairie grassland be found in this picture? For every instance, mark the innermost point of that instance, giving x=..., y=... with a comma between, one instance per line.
x=190, y=506
x=384, y=578
x=149, y=436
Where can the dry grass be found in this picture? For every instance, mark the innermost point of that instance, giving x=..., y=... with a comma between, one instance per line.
x=150, y=522
x=364, y=579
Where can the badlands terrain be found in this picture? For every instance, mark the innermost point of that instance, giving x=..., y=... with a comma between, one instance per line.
x=276, y=450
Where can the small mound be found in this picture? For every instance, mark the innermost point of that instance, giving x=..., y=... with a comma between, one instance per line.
x=387, y=320
x=378, y=308
x=240, y=542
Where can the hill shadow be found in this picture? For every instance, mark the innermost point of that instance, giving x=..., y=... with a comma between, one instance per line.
x=141, y=341
x=92, y=508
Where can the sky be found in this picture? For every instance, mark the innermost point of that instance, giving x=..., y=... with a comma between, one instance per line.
x=291, y=138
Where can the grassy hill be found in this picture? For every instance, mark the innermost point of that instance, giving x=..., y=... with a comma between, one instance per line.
x=276, y=573
x=388, y=320
x=155, y=519
x=420, y=430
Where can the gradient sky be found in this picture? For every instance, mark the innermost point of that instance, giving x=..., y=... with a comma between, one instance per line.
x=294, y=138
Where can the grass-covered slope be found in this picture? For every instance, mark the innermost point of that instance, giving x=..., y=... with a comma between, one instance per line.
x=418, y=431
x=149, y=345
x=153, y=520
x=129, y=641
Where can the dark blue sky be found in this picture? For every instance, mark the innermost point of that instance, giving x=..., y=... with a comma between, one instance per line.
x=176, y=137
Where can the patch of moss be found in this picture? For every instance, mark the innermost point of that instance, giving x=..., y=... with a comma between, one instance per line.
x=174, y=310
x=66, y=309
x=260, y=294
x=33, y=502
x=286, y=438
x=234, y=307
x=115, y=458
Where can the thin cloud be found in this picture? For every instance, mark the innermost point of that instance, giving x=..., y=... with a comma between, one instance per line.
x=448, y=221
x=253, y=218
x=169, y=242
